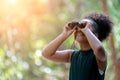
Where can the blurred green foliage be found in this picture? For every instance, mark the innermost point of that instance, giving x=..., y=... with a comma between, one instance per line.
x=28, y=28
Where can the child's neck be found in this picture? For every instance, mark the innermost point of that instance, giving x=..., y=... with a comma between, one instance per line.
x=85, y=46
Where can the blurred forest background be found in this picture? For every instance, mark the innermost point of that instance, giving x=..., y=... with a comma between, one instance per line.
x=27, y=26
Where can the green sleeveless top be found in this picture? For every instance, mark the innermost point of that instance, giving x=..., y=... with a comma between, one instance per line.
x=84, y=66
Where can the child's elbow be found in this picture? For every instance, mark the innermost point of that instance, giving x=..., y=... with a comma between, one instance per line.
x=102, y=54
x=44, y=54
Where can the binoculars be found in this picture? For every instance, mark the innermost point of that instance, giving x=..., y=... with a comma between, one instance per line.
x=76, y=25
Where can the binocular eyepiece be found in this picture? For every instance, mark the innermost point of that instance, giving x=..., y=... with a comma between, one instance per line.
x=76, y=25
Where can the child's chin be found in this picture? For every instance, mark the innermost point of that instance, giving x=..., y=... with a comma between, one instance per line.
x=81, y=39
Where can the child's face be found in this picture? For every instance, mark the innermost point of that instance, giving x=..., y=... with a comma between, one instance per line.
x=79, y=36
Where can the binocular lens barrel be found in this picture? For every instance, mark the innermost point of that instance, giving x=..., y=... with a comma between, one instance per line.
x=75, y=24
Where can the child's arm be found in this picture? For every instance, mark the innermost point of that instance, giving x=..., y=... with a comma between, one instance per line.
x=96, y=45
x=50, y=51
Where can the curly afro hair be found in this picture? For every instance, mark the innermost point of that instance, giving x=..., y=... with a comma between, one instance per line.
x=104, y=24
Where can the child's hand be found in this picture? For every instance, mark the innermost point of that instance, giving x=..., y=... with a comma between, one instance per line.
x=87, y=25
x=69, y=29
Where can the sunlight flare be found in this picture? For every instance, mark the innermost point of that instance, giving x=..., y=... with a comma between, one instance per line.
x=12, y=1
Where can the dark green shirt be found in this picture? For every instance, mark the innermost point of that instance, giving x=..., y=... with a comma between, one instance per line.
x=84, y=66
